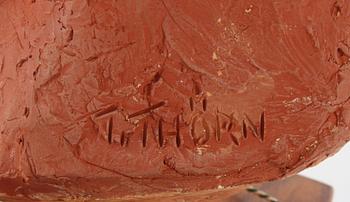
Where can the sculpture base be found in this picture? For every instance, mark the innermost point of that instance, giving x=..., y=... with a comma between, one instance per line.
x=296, y=188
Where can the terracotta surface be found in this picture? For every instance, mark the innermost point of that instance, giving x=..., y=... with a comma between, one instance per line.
x=111, y=99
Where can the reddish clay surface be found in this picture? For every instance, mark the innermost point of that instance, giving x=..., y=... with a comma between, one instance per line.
x=102, y=99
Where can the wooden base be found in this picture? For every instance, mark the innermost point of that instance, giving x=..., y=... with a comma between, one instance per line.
x=292, y=189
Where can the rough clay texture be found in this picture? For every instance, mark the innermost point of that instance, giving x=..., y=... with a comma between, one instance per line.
x=109, y=99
